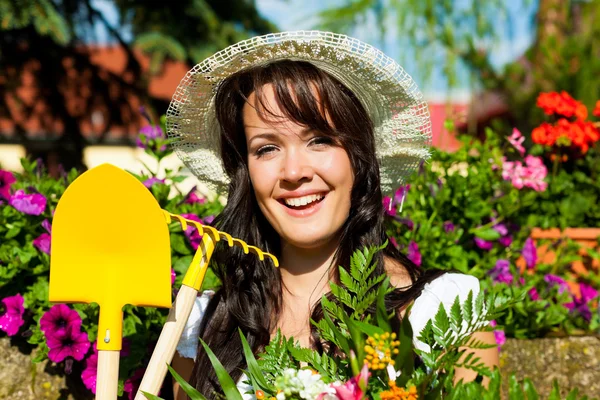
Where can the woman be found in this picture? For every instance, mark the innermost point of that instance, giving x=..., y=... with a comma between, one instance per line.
x=309, y=127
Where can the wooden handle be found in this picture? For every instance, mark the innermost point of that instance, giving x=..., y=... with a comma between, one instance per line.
x=107, y=376
x=167, y=342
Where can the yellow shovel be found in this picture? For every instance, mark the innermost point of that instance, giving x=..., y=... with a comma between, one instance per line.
x=110, y=245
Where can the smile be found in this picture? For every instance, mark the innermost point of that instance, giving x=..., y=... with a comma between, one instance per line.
x=303, y=206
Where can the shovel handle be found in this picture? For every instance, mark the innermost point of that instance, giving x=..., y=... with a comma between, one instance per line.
x=178, y=316
x=107, y=377
x=167, y=342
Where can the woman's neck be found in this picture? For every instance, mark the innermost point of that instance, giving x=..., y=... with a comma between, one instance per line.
x=306, y=272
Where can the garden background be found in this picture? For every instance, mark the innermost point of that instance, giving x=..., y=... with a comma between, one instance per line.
x=510, y=195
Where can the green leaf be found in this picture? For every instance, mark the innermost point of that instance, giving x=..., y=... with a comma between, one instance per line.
x=253, y=367
x=530, y=392
x=151, y=396
x=227, y=384
x=186, y=387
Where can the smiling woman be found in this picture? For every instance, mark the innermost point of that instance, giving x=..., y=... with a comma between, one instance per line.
x=307, y=135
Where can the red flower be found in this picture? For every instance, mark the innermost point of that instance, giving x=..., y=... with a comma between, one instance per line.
x=562, y=104
x=596, y=111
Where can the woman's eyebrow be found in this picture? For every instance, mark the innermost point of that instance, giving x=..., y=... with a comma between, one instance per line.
x=266, y=135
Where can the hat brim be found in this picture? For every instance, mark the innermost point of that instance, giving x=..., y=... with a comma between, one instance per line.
x=389, y=95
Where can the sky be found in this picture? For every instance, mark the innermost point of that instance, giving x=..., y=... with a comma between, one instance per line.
x=300, y=14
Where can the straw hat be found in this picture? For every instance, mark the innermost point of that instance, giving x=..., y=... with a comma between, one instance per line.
x=387, y=92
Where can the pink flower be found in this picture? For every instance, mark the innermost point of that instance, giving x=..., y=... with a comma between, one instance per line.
x=580, y=305
x=500, y=338
x=173, y=276
x=553, y=280
x=533, y=294
x=414, y=254
x=132, y=384
x=353, y=389
x=73, y=343
x=152, y=181
x=57, y=319
x=209, y=219
x=516, y=139
x=88, y=375
x=401, y=193
x=530, y=253
x=47, y=226
x=42, y=243
x=505, y=240
x=191, y=232
x=31, y=204
x=12, y=319
x=193, y=198
x=483, y=244
x=6, y=180
x=532, y=175
x=388, y=206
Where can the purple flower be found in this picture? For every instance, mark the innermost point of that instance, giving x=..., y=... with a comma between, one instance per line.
x=389, y=206
x=209, y=219
x=501, y=272
x=449, y=227
x=191, y=232
x=57, y=319
x=73, y=343
x=414, y=254
x=148, y=133
x=533, y=294
x=553, y=280
x=12, y=318
x=408, y=222
x=393, y=241
x=42, y=243
x=483, y=244
x=31, y=204
x=530, y=253
x=173, y=276
x=6, y=180
x=151, y=181
x=580, y=305
x=505, y=240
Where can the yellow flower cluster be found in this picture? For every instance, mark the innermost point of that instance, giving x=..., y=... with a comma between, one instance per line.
x=396, y=393
x=380, y=350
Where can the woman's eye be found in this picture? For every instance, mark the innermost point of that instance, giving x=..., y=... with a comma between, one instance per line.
x=264, y=150
x=318, y=140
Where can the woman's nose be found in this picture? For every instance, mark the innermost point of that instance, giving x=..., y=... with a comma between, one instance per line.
x=296, y=167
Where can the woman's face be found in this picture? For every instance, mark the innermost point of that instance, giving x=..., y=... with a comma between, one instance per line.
x=302, y=179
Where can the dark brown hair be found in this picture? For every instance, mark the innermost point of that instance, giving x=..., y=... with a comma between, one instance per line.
x=250, y=295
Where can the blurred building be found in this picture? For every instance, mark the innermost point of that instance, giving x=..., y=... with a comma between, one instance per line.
x=101, y=111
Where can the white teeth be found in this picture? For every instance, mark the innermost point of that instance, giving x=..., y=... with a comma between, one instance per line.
x=302, y=201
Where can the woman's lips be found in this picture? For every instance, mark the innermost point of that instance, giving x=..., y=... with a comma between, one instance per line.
x=304, y=211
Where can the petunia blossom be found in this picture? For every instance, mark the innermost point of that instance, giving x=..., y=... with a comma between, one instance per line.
x=483, y=244
x=580, y=304
x=500, y=337
x=414, y=254
x=6, y=180
x=191, y=232
x=530, y=253
x=152, y=181
x=501, y=272
x=88, y=375
x=193, y=198
x=12, y=318
x=57, y=319
x=42, y=243
x=73, y=343
x=389, y=206
x=132, y=384
x=506, y=240
x=449, y=227
x=555, y=280
x=533, y=294
x=31, y=204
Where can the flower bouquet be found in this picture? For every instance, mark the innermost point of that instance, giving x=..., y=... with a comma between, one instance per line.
x=370, y=355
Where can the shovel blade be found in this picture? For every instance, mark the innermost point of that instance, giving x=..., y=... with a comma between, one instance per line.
x=110, y=244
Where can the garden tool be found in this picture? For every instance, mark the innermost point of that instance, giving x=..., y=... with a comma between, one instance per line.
x=182, y=307
x=110, y=246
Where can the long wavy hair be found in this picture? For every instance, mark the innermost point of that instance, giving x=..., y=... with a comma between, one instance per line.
x=250, y=297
